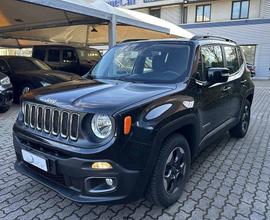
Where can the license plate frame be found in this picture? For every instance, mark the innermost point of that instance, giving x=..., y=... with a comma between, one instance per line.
x=35, y=160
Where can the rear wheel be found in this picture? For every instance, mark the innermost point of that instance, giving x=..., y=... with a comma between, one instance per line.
x=240, y=130
x=171, y=172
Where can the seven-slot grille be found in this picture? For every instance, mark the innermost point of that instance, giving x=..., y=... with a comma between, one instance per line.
x=51, y=120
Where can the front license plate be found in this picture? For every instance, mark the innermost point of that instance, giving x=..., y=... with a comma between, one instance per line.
x=35, y=160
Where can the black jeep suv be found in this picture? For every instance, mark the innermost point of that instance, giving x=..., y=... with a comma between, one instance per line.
x=133, y=127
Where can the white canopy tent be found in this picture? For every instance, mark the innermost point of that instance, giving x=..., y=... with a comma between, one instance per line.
x=24, y=23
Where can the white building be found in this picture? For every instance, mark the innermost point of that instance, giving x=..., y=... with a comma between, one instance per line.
x=245, y=21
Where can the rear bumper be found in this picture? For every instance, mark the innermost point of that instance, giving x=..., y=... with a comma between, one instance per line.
x=74, y=178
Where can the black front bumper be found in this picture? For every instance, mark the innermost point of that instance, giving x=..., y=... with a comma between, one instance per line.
x=73, y=177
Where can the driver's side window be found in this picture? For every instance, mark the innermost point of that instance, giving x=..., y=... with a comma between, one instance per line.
x=211, y=56
x=4, y=67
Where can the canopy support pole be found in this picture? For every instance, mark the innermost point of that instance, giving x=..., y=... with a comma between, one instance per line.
x=112, y=31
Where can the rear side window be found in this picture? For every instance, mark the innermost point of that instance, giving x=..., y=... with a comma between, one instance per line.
x=231, y=59
x=68, y=56
x=54, y=55
x=211, y=56
x=39, y=53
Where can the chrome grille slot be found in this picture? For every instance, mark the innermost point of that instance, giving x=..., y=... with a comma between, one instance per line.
x=74, y=126
x=52, y=121
x=32, y=116
x=39, y=118
x=47, y=120
x=26, y=114
x=64, y=124
x=55, y=122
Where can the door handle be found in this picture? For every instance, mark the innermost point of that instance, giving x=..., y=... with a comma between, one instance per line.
x=226, y=88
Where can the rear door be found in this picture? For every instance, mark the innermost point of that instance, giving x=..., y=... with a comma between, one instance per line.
x=235, y=64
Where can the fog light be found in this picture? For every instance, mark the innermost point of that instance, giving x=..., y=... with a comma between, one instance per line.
x=109, y=181
x=101, y=165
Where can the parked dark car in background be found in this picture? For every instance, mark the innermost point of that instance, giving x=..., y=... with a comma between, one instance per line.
x=67, y=58
x=252, y=69
x=6, y=93
x=27, y=73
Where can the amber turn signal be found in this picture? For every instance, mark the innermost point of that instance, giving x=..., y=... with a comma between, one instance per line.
x=127, y=125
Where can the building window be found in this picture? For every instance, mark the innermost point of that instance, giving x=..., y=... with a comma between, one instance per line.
x=250, y=53
x=240, y=9
x=118, y=3
x=203, y=13
x=156, y=12
x=185, y=14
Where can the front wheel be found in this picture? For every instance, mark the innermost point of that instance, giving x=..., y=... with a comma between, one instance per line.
x=240, y=130
x=171, y=172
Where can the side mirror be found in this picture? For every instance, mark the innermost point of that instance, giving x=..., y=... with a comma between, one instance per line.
x=218, y=75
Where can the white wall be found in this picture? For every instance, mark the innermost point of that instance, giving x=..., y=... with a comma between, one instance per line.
x=265, y=9
x=171, y=14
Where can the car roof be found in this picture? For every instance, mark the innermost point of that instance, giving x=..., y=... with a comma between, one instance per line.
x=197, y=40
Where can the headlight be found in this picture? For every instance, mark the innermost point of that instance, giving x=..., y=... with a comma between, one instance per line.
x=45, y=83
x=102, y=126
x=5, y=81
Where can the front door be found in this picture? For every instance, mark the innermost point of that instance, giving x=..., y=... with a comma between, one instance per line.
x=214, y=106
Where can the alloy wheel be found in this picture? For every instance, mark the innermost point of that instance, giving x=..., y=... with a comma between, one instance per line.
x=175, y=169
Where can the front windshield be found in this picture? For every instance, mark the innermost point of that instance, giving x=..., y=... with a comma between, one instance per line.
x=146, y=62
x=88, y=54
x=26, y=64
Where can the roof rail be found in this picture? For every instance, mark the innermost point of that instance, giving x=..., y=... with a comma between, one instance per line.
x=131, y=40
x=206, y=37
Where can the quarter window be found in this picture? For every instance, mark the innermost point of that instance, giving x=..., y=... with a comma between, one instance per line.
x=211, y=56
x=240, y=9
x=54, y=55
x=203, y=13
x=231, y=59
x=249, y=52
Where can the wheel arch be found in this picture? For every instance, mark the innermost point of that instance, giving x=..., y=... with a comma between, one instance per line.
x=187, y=125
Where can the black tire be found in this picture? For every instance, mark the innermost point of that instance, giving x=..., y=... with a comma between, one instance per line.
x=4, y=109
x=19, y=92
x=240, y=130
x=157, y=191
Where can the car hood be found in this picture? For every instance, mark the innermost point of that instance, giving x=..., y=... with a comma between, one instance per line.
x=51, y=76
x=97, y=96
